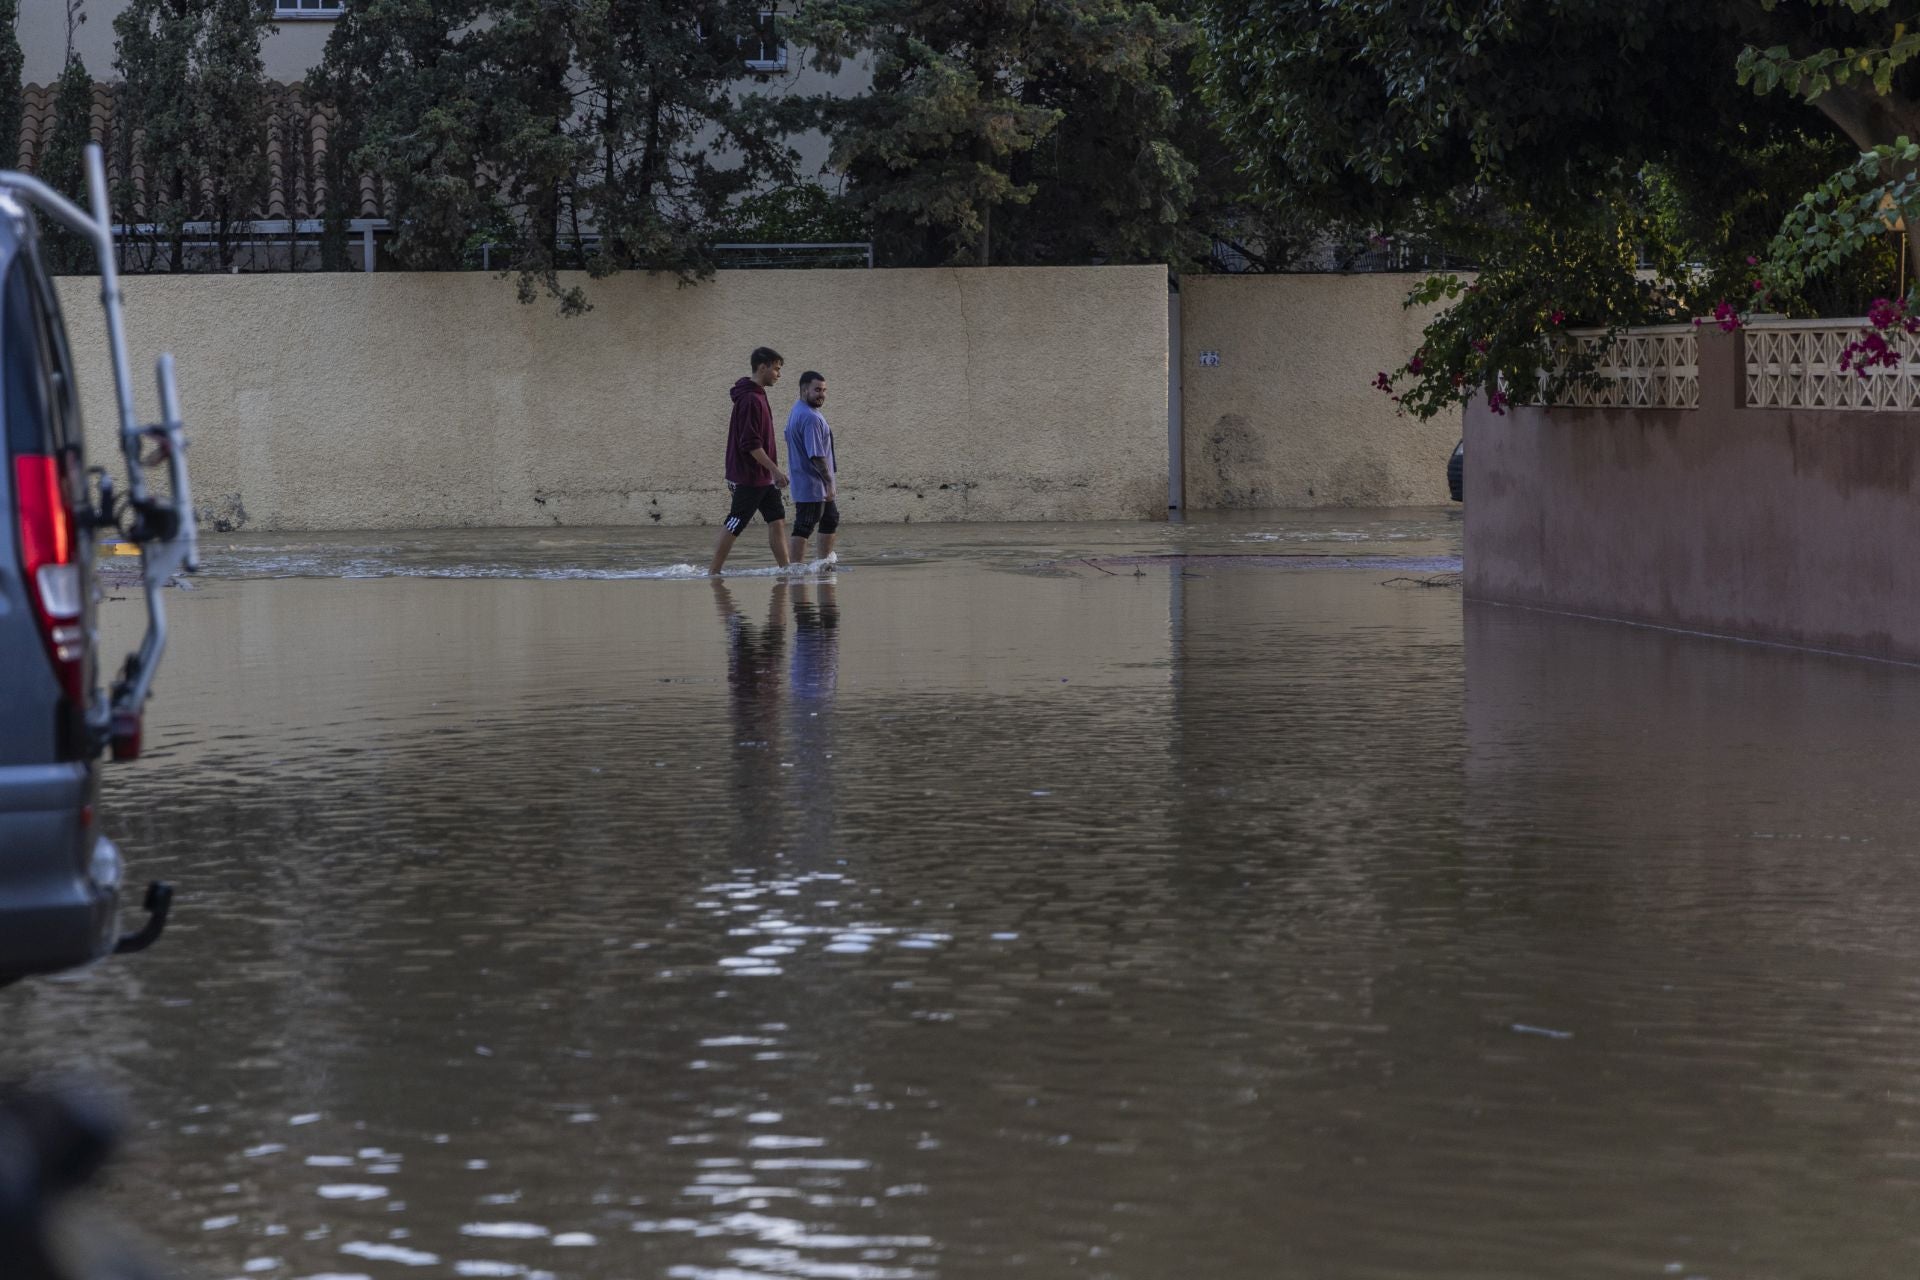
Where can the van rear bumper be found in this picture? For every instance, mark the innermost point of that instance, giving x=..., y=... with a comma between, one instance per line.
x=59, y=880
x=55, y=926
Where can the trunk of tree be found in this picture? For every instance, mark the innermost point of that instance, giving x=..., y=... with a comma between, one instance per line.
x=292, y=146
x=611, y=244
x=649, y=155
x=177, y=253
x=984, y=77
x=981, y=153
x=573, y=218
x=545, y=205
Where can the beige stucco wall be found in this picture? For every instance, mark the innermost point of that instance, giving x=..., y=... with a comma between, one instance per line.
x=1289, y=417
x=437, y=400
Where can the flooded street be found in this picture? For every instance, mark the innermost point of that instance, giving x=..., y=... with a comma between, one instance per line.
x=1219, y=899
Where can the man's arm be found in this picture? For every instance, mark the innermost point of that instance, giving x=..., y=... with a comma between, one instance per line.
x=763, y=454
x=817, y=451
x=760, y=456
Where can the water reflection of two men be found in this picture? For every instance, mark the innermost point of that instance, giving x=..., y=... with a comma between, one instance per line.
x=755, y=651
x=816, y=646
x=758, y=664
x=816, y=679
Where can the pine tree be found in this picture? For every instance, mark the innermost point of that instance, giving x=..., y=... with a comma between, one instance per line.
x=196, y=86
x=62, y=165
x=673, y=143
x=928, y=151
x=1008, y=130
x=230, y=82
x=1116, y=180
x=12, y=103
x=563, y=136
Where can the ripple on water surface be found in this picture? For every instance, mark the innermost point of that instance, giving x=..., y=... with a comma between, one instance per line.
x=993, y=909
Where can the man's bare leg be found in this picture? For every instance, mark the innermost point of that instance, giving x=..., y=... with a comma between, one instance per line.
x=797, y=550
x=777, y=539
x=720, y=550
x=826, y=544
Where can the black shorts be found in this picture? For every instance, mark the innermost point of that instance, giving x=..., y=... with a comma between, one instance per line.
x=808, y=514
x=749, y=498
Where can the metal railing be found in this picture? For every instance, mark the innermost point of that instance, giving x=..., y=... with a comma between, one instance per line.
x=799, y=253
x=290, y=245
x=264, y=244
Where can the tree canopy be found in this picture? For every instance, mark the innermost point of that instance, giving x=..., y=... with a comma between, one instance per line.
x=1009, y=130
x=1598, y=157
x=12, y=60
x=604, y=135
x=194, y=81
x=62, y=166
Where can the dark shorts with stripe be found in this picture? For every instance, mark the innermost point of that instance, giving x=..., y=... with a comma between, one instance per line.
x=808, y=514
x=749, y=498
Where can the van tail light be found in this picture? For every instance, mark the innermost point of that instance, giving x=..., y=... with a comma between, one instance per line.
x=50, y=557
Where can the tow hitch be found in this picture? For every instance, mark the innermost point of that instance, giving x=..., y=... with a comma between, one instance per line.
x=158, y=906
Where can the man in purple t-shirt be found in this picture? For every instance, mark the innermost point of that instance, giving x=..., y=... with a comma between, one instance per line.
x=753, y=473
x=810, y=454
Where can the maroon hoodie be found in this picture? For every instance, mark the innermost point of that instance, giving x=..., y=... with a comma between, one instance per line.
x=750, y=428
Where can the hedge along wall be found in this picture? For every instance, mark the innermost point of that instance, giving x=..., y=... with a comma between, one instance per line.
x=409, y=401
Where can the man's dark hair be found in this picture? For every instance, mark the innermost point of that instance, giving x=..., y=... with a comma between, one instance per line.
x=764, y=355
x=810, y=377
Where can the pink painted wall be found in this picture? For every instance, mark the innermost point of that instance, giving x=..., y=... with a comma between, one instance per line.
x=1795, y=526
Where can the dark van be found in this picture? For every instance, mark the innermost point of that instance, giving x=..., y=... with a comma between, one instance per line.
x=60, y=875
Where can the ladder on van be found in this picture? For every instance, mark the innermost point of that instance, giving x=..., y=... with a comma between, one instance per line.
x=162, y=527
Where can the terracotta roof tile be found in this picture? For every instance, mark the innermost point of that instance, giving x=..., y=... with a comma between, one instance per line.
x=296, y=151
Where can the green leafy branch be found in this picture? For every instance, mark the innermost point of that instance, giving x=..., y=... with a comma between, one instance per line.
x=1809, y=76
x=1844, y=216
x=1505, y=333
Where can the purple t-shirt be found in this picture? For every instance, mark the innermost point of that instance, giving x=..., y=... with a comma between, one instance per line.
x=808, y=437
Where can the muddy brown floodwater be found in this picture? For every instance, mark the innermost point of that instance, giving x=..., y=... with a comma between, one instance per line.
x=1016, y=901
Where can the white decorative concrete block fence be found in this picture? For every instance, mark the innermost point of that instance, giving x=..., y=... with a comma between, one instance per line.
x=1653, y=368
x=1795, y=364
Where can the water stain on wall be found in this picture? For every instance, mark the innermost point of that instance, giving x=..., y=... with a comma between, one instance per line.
x=1235, y=453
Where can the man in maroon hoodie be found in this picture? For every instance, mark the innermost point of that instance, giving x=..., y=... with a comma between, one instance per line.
x=753, y=471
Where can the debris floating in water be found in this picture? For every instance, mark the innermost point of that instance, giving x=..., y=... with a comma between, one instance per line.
x=505, y=1230
x=390, y=1253
x=1548, y=1032
x=351, y=1191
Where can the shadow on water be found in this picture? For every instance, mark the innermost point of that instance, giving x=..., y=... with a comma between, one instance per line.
x=947, y=918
